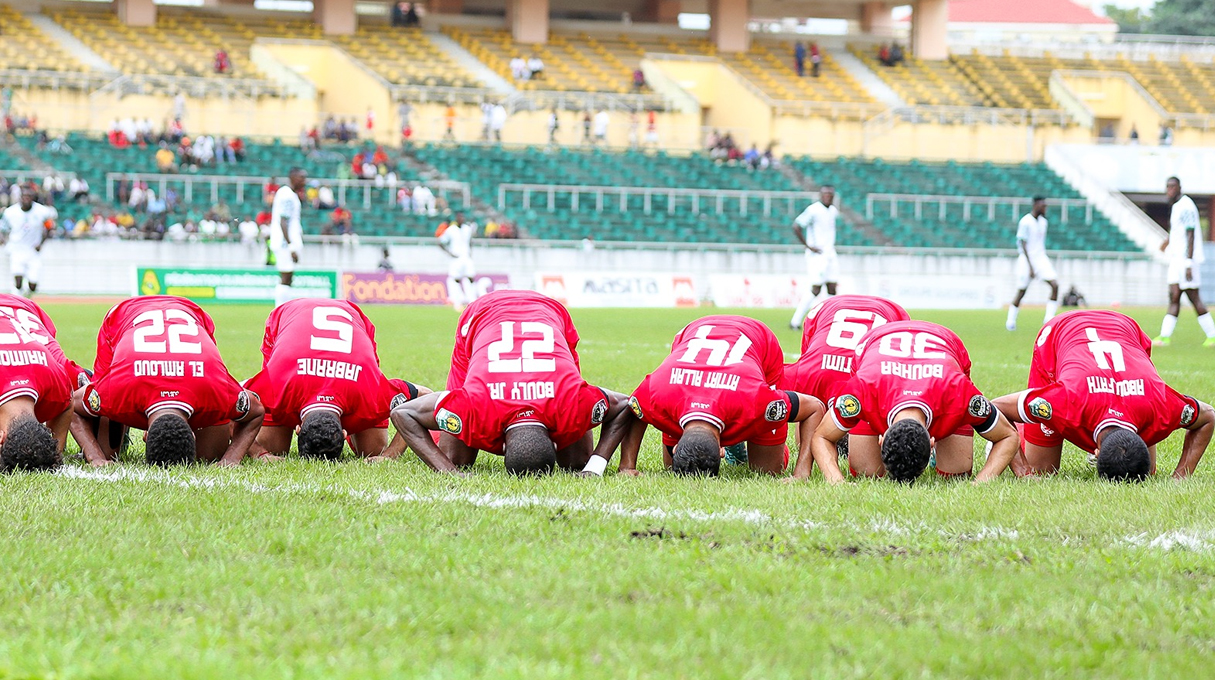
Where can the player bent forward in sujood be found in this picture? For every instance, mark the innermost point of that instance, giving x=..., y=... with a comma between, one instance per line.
x=321, y=378
x=158, y=370
x=718, y=388
x=1092, y=383
x=515, y=389
x=911, y=384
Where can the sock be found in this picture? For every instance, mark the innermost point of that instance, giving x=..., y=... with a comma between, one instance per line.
x=1052, y=308
x=1207, y=324
x=455, y=294
x=282, y=293
x=470, y=291
x=803, y=308
x=1167, y=326
x=1012, y=315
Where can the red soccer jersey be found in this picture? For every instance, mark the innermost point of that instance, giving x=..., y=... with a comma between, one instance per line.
x=1093, y=369
x=515, y=361
x=159, y=352
x=29, y=368
x=36, y=322
x=832, y=331
x=912, y=364
x=321, y=354
x=723, y=370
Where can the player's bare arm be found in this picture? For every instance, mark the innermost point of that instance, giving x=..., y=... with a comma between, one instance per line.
x=809, y=417
x=616, y=425
x=60, y=425
x=244, y=432
x=1197, y=438
x=1007, y=406
x=83, y=427
x=822, y=448
x=631, y=446
x=1005, y=446
x=375, y=445
x=414, y=420
x=1189, y=254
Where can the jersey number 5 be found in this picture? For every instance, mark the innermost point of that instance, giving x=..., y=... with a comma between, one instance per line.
x=176, y=344
x=527, y=363
x=333, y=319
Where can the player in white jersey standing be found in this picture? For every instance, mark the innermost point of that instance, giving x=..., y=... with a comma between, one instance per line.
x=25, y=223
x=287, y=232
x=815, y=228
x=1032, y=262
x=1183, y=247
x=456, y=241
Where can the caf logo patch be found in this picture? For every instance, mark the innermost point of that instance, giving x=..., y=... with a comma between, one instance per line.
x=242, y=403
x=848, y=406
x=599, y=412
x=397, y=401
x=633, y=404
x=1040, y=408
x=777, y=412
x=979, y=406
x=449, y=422
x=1187, y=415
x=93, y=402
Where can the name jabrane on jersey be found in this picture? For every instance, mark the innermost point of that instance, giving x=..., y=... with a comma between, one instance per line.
x=328, y=368
x=713, y=381
x=913, y=371
x=1123, y=388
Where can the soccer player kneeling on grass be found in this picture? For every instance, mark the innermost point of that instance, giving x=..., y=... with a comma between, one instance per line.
x=719, y=388
x=34, y=389
x=321, y=376
x=830, y=335
x=515, y=389
x=158, y=370
x=1092, y=383
x=911, y=384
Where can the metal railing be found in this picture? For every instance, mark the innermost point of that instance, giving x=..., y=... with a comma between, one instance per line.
x=609, y=198
x=1016, y=205
x=344, y=190
x=53, y=80
x=27, y=175
x=1132, y=47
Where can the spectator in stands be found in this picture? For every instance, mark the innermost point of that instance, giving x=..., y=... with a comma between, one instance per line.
x=238, y=149
x=115, y=136
x=155, y=206
x=638, y=79
x=487, y=115
x=179, y=107
x=78, y=189
x=1106, y=135
x=143, y=132
x=497, y=121
x=306, y=140
x=324, y=198
x=1166, y=135
x=884, y=55
x=340, y=218
x=405, y=200
x=896, y=54
x=769, y=158
x=171, y=200
x=369, y=121
x=379, y=157
x=329, y=129
x=404, y=111
x=554, y=124
x=397, y=16
x=799, y=58
x=651, y=128
x=59, y=145
x=423, y=200
x=385, y=264
x=816, y=60
x=752, y=157
x=222, y=64
x=204, y=150
x=711, y=141
x=518, y=68
x=344, y=221
x=449, y=120
x=634, y=130
x=249, y=231
x=220, y=212
x=535, y=67
x=1134, y=138
x=601, y=126
x=166, y=162
x=53, y=189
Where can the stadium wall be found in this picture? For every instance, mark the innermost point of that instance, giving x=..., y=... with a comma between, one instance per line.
x=919, y=278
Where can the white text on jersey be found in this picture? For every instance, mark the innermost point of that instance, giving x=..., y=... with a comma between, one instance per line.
x=913, y=371
x=713, y=381
x=1123, y=388
x=22, y=357
x=328, y=368
x=837, y=362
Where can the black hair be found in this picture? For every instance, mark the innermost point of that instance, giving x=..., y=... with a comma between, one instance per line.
x=1124, y=457
x=905, y=450
x=1173, y=179
x=321, y=435
x=841, y=447
x=1039, y=198
x=29, y=446
x=698, y=453
x=170, y=441
x=528, y=450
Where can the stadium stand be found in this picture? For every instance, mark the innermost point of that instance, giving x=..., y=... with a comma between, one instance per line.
x=25, y=47
x=929, y=83
x=769, y=66
x=405, y=57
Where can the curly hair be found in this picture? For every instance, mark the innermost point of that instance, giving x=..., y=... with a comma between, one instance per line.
x=29, y=445
x=1123, y=457
x=170, y=441
x=528, y=450
x=697, y=453
x=321, y=436
x=906, y=449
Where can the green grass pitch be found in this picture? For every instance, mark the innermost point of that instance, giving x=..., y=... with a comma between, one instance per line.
x=310, y=570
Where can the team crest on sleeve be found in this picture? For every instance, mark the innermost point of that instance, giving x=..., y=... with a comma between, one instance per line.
x=1188, y=415
x=242, y=403
x=449, y=422
x=397, y=401
x=1040, y=408
x=93, y=402
x=979, y=406
x=636, y=406
x=848, y=406
x=599, y=412
x=777, y=412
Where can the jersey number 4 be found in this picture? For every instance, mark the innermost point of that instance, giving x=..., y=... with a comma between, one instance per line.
x=527, y=362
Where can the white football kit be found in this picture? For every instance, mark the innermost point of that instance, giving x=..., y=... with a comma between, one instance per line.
x=458, y=239
x=286, y=206
x=1183, y=218
x=1032, y=230
x=25, y=234
x=818, y=222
